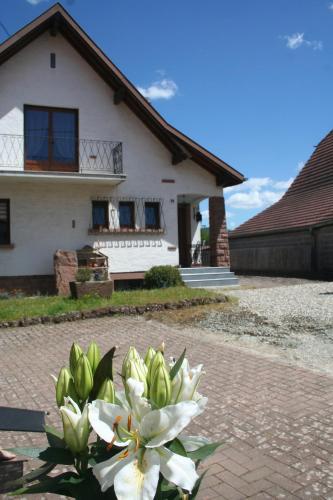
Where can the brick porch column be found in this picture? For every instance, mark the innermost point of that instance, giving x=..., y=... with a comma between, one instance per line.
x=219, y=244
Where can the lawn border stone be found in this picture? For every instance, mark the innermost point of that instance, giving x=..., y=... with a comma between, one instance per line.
x=114, y=310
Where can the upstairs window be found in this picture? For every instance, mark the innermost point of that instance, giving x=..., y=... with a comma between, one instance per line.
x=51, y=138
x=4, y=223
x=126, y=214
x=100, y=214
x=152, y=215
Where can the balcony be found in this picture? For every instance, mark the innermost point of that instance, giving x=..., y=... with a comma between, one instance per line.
x=60, y=158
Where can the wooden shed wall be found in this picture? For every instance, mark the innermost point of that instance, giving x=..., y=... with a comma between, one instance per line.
x=297, y=253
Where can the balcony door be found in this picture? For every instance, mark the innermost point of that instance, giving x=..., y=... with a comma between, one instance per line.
x=50, y=139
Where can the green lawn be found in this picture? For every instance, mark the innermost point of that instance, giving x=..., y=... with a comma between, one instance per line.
x=14, y=309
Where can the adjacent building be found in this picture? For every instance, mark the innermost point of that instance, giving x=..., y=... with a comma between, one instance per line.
x=295, y=235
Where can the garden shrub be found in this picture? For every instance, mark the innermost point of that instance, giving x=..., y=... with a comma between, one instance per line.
x=162, y=277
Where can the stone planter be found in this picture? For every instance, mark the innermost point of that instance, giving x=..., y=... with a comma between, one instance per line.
x=101, y=288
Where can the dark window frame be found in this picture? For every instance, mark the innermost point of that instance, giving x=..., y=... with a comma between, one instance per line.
x=130, y=204
x=53, y=60
x=8, y=239
x=156, y=205
x=50, y=164
x=105, y=205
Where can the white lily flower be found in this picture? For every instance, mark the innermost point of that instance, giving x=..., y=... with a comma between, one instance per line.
x=143, y=432
x=75, y=425
x=185, y=384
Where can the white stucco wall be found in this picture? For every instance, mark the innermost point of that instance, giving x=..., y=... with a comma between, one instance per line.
x=42, y=213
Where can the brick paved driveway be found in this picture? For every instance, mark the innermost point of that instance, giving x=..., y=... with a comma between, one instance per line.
x=276, y=420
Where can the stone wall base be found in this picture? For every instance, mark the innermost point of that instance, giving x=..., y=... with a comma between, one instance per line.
x=29, y=285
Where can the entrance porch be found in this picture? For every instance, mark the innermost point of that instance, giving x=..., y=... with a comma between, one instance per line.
x=204, y=262
x=194, y=251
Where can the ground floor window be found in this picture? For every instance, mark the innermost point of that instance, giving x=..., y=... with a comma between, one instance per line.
x=4, y=222
x=100, y=214
x=152, y=215
x=127, y=214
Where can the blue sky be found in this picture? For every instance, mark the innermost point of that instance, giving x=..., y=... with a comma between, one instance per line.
x=249, y=80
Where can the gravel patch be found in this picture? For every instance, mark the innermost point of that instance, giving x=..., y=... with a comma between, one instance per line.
x=292, y=322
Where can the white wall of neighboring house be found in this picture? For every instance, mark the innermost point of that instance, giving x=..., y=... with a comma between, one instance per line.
x=42, y=213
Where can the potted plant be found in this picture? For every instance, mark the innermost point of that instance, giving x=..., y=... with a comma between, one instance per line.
x=91, y=282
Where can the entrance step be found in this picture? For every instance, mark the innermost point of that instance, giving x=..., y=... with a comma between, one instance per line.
x=198, y=277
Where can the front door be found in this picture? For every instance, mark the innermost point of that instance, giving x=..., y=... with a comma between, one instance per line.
x=184, y=234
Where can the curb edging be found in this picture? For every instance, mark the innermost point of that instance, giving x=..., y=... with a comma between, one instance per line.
x=112, y=311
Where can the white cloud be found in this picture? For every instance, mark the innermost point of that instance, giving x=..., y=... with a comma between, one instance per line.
x=283, y=184
x=300, y=165
x=297, y=40
x=330, y=6
x=205, y=217
x=256, y=193
x=160, y=89
x=36, y=2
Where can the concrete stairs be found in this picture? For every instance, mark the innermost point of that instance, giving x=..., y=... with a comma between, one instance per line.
x=199, y=277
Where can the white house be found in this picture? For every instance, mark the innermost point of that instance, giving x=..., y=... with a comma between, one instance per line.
x=86, y=160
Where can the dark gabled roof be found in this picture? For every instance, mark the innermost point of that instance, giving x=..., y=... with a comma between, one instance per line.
x=307, y=203
x=181, y=147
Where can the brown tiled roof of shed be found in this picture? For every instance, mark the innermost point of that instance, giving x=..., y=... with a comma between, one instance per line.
x=308, y=201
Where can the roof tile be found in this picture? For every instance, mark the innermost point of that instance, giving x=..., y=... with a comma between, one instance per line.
x=308, y=201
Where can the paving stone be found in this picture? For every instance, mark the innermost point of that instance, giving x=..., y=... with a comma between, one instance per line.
x=275, y=420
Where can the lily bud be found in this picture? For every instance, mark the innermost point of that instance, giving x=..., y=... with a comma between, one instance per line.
x=132, y=354
x=155, y=362
x=149, y=356
x=162, y=347
x=160, y=388
x=64, y=386
x=107, y=392
x=83, y=377
x=94, y=356
x=74, y=356
x=135, y=370
x=75, y=425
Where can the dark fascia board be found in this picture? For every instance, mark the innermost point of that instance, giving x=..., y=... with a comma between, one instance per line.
x=180, y=146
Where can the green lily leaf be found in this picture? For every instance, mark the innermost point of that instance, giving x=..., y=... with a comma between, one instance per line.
x=104, y=370
x=176, y=367
x=203, y=452
x=29, y=477
x=177, y=447
x=57, y=456
x=30, y=452
x=166, y=490
x=61, y=484
x=72, y=485
x=90, y=489
x=54, y=437
x=50, y=455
